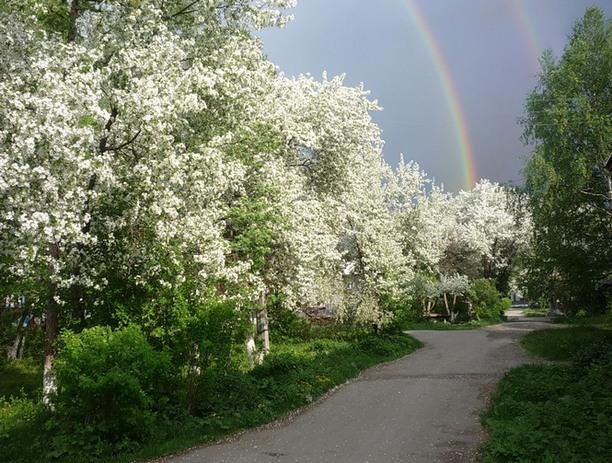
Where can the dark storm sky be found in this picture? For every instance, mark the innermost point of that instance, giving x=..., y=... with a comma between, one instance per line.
x=489, y=46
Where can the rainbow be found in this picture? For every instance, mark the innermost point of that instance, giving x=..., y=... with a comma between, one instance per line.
x=519, y=8
x=451, y=94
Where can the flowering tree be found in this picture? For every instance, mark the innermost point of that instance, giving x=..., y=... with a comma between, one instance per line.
x=453, y=286
x=102, y=136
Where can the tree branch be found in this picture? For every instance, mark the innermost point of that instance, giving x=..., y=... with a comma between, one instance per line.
x=124, y=144
x=185, y=10
x=103, y=147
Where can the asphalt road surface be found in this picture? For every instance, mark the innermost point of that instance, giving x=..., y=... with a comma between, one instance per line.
x=422, y=408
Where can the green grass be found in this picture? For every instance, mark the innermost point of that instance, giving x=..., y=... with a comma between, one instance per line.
x=560, y=412
x=295, y=374
x=551, y=414
x=562, y=343
x=535, y=312
x=435, y=325
x=21, y=377
x=601, y=320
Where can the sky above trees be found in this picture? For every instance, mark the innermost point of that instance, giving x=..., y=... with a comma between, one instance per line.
x=489, y=48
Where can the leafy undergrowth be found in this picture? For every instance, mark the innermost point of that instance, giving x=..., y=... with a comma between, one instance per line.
x=561, y=344
x=557, y=413
x=295, y=374
x=436, y=325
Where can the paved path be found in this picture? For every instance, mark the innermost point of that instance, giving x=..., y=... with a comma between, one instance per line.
x=422, y=408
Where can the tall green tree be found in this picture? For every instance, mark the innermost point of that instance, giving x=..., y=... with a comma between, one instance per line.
x=569, y=121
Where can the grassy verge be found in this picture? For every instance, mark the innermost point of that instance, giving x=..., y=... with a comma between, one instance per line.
x=435, y=325
x=564, y=343
x=21, y=378
x=555, y=412
x=295, y=374
x=601, y=320
x=535, y=312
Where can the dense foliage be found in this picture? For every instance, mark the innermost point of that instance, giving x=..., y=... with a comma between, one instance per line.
x=569, y=119
x=111, y=386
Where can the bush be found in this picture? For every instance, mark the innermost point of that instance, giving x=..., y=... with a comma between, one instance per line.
x=111, y=385
x=214, y=327
x=487, y=301
x=21, y=421
x=285, y=323
x=15, y=413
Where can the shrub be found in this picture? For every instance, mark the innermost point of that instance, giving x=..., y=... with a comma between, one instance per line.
x=486, y=300
x=214, y=328
x=15, y=413
x=285, y=323
x=21, y=421
x=110, y=388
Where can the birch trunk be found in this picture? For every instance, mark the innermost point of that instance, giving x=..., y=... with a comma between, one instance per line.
x=264, y=325
x=251, y=346
x=18, y=346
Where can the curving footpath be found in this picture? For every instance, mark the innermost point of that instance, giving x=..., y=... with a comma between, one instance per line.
x=422, y=408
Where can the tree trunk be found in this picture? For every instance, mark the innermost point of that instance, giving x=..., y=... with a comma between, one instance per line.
x=51, y=333
x=17, y=350
x=74, y=15
x=264, y=326
x=453, y=313
x=251, y=346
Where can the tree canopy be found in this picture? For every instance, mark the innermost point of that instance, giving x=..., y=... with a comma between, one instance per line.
x=569, y=121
